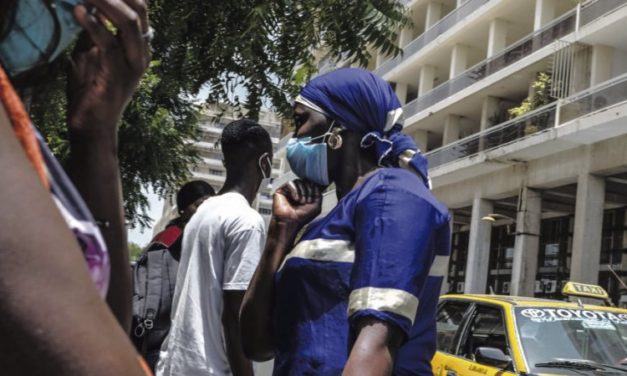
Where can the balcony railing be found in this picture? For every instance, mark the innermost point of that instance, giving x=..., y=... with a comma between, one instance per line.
x=519, y=50
x=431, y=34
x=594, y=99
x=584, y=103
x=598, y=9
x=497, y=136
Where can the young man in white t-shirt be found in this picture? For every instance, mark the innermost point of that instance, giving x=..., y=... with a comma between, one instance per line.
x=221, y=248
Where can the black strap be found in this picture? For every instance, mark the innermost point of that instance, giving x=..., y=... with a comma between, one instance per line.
x=153, y=285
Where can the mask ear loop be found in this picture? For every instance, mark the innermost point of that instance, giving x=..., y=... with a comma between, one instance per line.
x=263, y=172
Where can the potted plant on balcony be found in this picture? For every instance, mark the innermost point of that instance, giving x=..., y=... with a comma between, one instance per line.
x=540, y=96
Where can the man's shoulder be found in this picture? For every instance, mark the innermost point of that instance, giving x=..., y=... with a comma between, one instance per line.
x=232, y=211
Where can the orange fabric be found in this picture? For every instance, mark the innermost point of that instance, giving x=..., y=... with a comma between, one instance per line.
x=22, y=126
x=144, y=365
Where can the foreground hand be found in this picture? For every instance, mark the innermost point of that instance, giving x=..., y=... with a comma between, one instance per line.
x=107, y=67
x=297, y=202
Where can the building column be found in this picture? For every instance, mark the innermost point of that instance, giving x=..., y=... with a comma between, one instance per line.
x=459, y=60
x=601, y=65
x=445, y=282
x=422, y=138
x=405, y=37
x=401, y=92
x=497, y=38
x=584, y=265
x=477, y=264
x=489, y=108
x=544, y=13
x=434, y=14
x=525, y=264
x=380, y=60
x=451, y=129
x=427, y=78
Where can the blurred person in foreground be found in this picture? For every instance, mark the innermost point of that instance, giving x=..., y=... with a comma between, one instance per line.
x=221, y=249
x=344, y=297
x=63, y=242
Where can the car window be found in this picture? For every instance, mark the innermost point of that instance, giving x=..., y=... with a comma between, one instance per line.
x=450, y=316
x=486, y=329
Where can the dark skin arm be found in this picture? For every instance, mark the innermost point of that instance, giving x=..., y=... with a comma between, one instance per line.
x=240, y=365
x=374, y=351
x=105, y=72
x=295, y=205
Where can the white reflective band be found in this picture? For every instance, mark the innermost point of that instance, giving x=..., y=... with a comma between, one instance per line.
x=323, y=250
x=395, y=301
x=307, y=103
x=439, y=268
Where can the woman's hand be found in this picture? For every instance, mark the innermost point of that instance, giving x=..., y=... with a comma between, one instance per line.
x=107, y=66
x=297, y=202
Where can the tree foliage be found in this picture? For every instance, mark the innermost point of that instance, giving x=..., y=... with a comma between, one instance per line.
x=266, y=47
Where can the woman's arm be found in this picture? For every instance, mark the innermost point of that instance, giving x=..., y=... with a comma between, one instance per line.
x=105, y=73
x=374, y=351
x=295, y=204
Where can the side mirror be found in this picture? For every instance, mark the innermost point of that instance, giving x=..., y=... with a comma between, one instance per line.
x=493, y=357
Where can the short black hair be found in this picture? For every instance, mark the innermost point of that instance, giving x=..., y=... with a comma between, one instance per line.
x=243, y=141
x=192, y=191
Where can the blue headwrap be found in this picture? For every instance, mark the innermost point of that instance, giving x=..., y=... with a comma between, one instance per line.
x=363, y=102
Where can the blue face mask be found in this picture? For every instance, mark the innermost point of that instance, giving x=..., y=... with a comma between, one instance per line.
x=307, y=160
x=40, y=32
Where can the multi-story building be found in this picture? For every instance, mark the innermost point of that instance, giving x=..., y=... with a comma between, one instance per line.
x=521, y=109
x=210, y=167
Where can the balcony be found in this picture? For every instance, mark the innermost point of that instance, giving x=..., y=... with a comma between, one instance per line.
x=559, y=28
x=554, y=115
x=443, y=25
x=514, y=53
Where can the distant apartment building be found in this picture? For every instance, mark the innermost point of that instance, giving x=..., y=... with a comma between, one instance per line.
x=521, y=109
x=210, y=167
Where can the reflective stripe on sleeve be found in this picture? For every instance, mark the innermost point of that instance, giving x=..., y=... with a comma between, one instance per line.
x=395, y=301
x=323, y=250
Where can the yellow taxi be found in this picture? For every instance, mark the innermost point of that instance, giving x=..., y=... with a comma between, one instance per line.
x=509, y=335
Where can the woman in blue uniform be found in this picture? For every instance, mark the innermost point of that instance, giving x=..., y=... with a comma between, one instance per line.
x=356, y=294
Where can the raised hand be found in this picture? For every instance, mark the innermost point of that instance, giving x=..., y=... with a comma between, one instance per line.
x=298, y=202
x=107, y=65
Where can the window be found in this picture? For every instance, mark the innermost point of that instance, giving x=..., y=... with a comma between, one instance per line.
x=486, y=329
x=450, y=316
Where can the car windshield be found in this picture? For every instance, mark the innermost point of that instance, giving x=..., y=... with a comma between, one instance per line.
x=559, y=335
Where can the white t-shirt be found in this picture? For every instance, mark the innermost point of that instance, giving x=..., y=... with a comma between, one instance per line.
x=222, y=245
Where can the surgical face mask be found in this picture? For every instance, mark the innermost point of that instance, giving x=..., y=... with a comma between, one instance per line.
x=308, y=160
x=267, y=176
x=41, y=30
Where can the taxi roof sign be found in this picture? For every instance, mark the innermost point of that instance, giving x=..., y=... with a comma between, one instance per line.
x=584, y=290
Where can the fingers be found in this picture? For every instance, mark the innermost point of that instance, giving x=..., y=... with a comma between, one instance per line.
x=97, y=32
x=129, y=24
x=301, y=192
x=141, y=8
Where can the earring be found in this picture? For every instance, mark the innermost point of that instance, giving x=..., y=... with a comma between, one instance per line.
x=335, y=140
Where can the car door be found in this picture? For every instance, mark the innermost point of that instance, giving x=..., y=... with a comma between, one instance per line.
x=484, y=327
x=449, y=322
